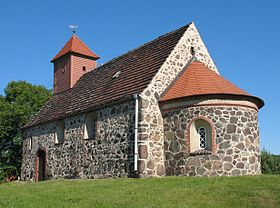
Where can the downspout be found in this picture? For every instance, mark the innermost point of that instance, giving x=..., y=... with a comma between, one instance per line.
x=136, y=134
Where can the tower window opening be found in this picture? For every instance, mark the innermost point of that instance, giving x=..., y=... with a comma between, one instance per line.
x=192, y=51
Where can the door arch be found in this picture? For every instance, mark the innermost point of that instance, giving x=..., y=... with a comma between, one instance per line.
x=41, y=165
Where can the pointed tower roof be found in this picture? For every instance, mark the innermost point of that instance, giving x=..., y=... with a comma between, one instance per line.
x=198, y=79
x=75, y=45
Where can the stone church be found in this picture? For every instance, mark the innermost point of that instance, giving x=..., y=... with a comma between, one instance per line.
x=161, y=109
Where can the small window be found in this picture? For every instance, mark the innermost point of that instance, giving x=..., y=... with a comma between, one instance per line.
x=59, y=133
x=192, y=51
x=30, y=143
x=90, y=126
x=84, y=68
x=200, y=136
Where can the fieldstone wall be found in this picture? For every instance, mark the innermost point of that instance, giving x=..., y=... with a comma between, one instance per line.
x=161, y=152
x=237, y=140
x=151, y=132
x=110, y=154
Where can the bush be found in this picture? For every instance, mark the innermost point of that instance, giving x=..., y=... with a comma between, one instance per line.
x=8, y=173
x=270, y=163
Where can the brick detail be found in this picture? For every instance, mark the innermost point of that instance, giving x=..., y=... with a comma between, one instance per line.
x=212, y=104
x=188, y=135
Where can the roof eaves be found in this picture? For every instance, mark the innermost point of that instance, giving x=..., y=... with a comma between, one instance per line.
x=258, y=101
x=101, y=105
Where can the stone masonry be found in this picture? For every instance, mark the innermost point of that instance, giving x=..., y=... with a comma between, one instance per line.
x=163, y=131
x=236, y=135
x=110, y=154
x=151, y=125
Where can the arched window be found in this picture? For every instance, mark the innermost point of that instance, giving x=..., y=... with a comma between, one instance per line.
x=90, y=126
x=59, y=133
x=200, y=135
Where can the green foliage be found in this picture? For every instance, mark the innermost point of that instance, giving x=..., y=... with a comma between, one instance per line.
x=270, y=163
x=21, y=100
x=167, y=192
x=8, y=172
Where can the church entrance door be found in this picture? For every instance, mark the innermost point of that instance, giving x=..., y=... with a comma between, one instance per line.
x=41, y=154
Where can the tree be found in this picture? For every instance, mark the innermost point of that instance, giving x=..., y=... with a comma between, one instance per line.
x=21, y=100
x=270, y=162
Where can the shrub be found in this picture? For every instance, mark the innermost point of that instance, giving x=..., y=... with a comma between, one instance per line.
x=8, y=173
x=270, y=163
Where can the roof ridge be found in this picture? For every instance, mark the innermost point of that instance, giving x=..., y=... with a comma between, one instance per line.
x=72, y=42
x=85, y=45
x=144, y=44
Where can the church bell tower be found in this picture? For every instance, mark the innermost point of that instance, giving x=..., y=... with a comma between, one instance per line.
x=71, y=62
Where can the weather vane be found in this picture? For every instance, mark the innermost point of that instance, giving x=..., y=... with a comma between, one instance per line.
x=73, y=28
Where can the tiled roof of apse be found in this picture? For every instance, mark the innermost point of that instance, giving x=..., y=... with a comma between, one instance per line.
x=97, y=88
x=197, y=79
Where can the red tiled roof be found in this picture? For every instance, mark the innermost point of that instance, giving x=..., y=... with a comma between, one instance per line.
x=97, y=88
x=75, y=45
x=198, y=79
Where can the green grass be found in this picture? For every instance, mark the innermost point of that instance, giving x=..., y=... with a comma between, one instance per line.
x=245, y=191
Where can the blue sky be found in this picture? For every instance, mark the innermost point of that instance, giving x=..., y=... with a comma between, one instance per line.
x=241, y=36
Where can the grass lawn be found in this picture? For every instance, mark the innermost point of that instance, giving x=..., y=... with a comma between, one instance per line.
x=245, y=191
